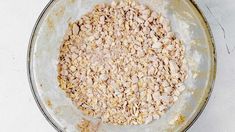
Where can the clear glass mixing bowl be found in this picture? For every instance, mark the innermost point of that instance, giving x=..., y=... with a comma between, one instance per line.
x=186, y=20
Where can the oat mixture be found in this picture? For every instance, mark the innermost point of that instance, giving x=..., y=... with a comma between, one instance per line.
x=121, y=63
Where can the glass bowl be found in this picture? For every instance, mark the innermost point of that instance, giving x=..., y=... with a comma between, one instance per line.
x=186, y=20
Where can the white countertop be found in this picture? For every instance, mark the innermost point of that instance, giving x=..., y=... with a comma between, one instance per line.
x=19, y=112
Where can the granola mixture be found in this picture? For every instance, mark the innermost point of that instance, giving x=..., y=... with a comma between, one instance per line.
x=122, y=63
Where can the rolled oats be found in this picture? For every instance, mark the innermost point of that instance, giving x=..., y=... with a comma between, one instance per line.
x=121, y=63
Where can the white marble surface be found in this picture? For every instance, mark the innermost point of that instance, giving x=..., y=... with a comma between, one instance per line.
x=18, y=110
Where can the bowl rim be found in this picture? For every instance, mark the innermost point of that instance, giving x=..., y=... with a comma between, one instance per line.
x=57, y=127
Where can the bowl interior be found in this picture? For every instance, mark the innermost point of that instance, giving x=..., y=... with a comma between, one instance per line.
x=186, y=22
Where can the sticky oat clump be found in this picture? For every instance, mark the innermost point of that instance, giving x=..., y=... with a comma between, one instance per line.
x=121, y=63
